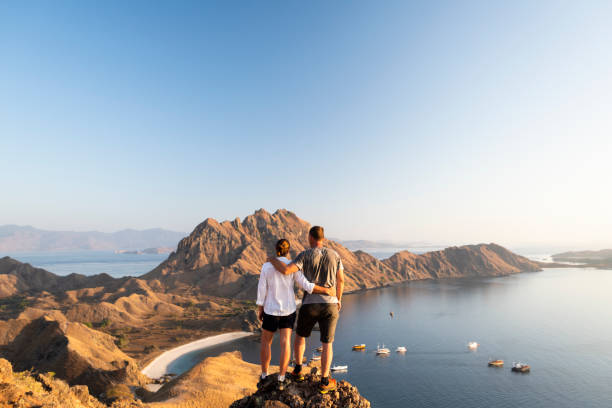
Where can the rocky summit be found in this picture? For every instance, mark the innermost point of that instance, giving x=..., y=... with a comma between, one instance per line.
x=303, y=394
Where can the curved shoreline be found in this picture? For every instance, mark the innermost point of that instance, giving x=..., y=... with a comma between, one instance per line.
x=158, y=367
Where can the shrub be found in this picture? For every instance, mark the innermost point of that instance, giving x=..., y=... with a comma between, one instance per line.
x=118, y=391
x=122, y=341
x=150, y=348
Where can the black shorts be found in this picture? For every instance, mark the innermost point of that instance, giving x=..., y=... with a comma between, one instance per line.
x=272, y=323
x=326, y=314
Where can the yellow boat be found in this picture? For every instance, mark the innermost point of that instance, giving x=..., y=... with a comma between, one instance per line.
x=496, y=363
x=359, y=347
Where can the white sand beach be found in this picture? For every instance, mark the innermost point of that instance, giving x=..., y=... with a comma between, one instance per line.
x=158, y=367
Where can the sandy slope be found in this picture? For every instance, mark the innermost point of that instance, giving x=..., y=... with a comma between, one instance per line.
x=159, y=365
x=216, y=382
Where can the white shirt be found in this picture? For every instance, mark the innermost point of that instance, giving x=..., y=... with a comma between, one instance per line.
x=275, y=290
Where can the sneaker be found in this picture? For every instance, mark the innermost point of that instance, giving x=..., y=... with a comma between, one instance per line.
x=331, y=386
x=297, y=376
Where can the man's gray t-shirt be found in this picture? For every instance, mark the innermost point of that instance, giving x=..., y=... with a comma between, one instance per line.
x=319, y=266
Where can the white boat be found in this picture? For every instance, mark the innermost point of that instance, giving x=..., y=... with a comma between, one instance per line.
x=472, y=345
x=339, y=368
x=315, y=358
x=401, y=349
x=382, y=350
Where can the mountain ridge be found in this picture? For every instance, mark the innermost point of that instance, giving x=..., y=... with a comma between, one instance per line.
x=224, y=258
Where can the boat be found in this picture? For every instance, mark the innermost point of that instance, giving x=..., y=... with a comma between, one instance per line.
x=382, y=350
x=319, y=349
x=472, y=345
x=496, y=363
x=359, y=347
x=339, y=368
x=315, y=358
x=401, y=349
x=520, y=367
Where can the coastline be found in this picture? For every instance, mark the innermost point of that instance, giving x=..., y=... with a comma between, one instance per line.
x=159, y=365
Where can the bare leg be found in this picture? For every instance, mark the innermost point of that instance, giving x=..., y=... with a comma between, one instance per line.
x=326, y=358
x=299, y=347
x=285, y=350
x=265, y=353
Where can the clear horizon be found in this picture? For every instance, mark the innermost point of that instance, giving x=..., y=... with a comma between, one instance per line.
x=446, y=123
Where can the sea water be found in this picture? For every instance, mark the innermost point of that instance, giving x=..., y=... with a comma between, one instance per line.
x=90, y=262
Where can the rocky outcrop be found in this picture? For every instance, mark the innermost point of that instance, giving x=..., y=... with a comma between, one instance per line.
x=302, y=395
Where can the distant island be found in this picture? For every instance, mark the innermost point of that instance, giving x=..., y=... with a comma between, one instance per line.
x=596, y=259
x=16, y=238
x=161, y=250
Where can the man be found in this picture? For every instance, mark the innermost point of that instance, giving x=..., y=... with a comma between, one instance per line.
x=322, y=266
x=276, y=308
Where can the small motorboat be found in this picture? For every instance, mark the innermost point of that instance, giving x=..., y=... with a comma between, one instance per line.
x=472, y=345
x=359, y=347
x=315, y=358
x=401, y=349
x=382, y=350
x=520, y=367
x=339, y=368
x=319, y=349
x=496, y=363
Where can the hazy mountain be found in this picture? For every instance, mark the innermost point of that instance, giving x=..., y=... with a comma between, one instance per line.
x=601, y=258
x=14, y=238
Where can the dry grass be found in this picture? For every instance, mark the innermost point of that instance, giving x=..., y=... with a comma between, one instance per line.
x=214, y=383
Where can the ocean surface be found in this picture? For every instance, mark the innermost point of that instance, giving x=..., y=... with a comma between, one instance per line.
x=90, y=262
x=559, y=321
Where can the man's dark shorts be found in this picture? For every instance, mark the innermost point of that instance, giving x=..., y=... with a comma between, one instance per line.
x=326, y=314
x=273, y=323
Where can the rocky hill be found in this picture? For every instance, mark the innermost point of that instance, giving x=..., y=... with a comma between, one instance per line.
x=224, y=259
x=460, y=262
x=74, y=352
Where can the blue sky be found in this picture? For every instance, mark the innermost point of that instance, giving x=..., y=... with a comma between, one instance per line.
x=450, y=122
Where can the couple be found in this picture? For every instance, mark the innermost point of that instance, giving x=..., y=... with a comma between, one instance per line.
x=319, y=272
